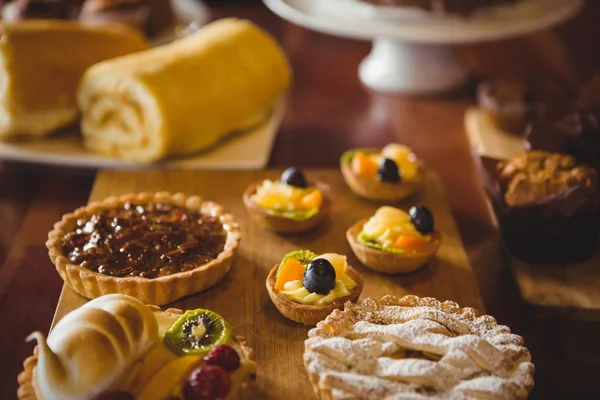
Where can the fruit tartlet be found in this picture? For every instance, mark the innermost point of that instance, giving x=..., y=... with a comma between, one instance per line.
x=115, y=347
x=288, y=205
x=393, y=241
x=391, y=174
x=157, y=247
x=306, y=287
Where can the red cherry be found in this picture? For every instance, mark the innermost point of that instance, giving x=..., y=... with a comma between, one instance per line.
x=209, y=382
x=224, y=356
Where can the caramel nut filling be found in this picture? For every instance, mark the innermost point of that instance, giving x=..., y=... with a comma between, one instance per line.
x=146, y=240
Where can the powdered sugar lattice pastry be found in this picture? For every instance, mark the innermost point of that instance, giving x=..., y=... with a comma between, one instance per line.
x=415, y=348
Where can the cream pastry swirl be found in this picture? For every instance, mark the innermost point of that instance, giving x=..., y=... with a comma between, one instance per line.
x=91, y=348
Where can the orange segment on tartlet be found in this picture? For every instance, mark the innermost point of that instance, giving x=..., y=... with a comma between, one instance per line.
x=348, y=287
x=288, y=207
x=157, y=247
x=291, y=270
x=141, y=364
x=363, y=172
x=403, y=252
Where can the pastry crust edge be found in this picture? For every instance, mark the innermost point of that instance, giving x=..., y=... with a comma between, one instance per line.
x=308, y=314
x=388, y=262
x=25, y=377
x=160, y=290
x=283, y=225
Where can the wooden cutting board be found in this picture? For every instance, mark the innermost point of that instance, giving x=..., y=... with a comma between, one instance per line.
x=555, y=290
x=242, y=298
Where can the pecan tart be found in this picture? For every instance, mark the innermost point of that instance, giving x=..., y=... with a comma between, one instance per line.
x=138, y=352
x=415, y=348
x=157, y=247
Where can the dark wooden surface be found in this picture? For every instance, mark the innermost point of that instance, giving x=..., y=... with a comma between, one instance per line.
x=328, y=112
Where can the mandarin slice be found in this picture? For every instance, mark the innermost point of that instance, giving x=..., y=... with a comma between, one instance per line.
x=363, y=166
x=291, y=270
x=410, y=242
x=313, y=200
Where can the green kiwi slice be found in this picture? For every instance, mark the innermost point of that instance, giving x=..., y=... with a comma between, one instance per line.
x=303, y=256
x=196, y=332
x=348, y=155
x=370, y=242
x=297, y=215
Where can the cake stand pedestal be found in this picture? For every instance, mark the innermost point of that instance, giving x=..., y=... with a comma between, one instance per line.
x=414, y=52
x=395, y=66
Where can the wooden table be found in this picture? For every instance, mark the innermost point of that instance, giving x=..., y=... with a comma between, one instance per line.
x=328, y=112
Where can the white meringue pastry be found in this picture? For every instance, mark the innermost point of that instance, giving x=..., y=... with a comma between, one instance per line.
x=91, y=348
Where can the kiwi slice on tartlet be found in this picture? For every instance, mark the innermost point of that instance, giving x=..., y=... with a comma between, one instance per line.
x=197, y=332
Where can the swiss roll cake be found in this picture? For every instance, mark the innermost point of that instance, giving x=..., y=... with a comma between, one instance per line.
x=185, y=96
x=41, y=63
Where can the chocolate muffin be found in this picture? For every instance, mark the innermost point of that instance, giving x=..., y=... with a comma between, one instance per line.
x=514, y=104
x=547, y=207
x=532, y=177
x=576, y=131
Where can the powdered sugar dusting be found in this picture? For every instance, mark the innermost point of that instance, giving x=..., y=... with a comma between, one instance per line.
x=416, y=348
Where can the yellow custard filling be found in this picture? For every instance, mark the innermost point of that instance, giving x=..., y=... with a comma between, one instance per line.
x=296, y=291
x=388, y=224
x=290, y=281
x=391, y=229
x=273, y=195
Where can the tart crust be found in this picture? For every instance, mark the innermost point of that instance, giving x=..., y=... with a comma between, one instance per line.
x=308, y=314
x=25, y=377
x=388, y=262
x=442, y=324
x=160, y=290
x=283, y=225
x=379, y=191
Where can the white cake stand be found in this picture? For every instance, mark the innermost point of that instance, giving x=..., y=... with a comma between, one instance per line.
x=413, y=51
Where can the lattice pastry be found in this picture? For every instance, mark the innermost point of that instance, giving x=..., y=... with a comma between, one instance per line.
x=415, y=348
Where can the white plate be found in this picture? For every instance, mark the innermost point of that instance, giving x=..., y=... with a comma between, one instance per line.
x=248, y=150
x=353, y=19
